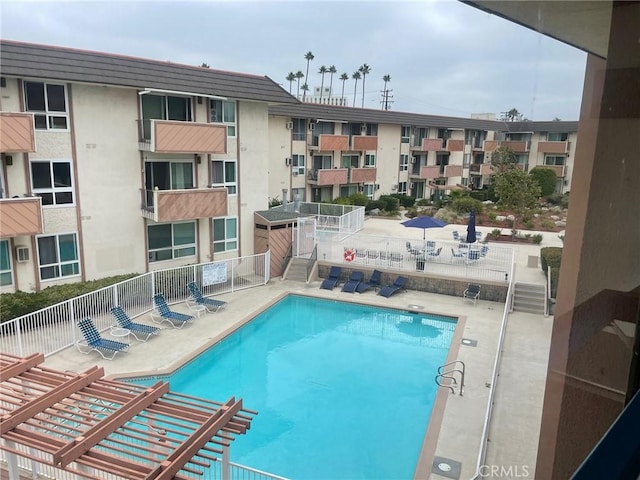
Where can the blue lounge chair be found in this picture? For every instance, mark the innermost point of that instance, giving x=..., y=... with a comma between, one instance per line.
x=472, y=292
x=209, y=303
x=140, y=331
x=373, y=282
x=332, y=280
x=395, y=287
x=94, y=342
x=354, y=280
x=163, y=313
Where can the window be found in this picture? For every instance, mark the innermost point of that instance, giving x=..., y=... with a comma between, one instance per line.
x=405, y=134
x=321, y=162
x=557, y=137
x=224, y=175
x=224, y=112
x=402, y=188
x=404, y=163
x=556, y=160
x=299, y=129
x=6, y=275
x=518, y=137
x=352, y=128
x=474, y=138
x=368, y=190
x=522, y=159
x=171, y=240
x=163, y=107
x=49, y=103
x=348, y=190
x=58, y=256
x=298, y=194
x=52, y=180
x=466, y=160
x=225, y=234
x=420, y=133
x=297, y=164
x=371, y=129
x=168, y=175
x=370, y=160
x=465, y=181
x=350, y=161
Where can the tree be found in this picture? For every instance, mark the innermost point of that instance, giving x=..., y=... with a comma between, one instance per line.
x=323, y=70
x=356, y=76
x=546, y=178
x=556, y=119
x=503, y=159
x=344, y=77
x=364, y=70
x=299, y=76
x=512, y=115
x=386, y=79
x=308, y=57
x=517, y=192
x=305, y=89
x=290, y=78
x=204, y=65
x=332, y=70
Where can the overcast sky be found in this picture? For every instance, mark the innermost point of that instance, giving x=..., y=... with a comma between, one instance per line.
x=444, y=57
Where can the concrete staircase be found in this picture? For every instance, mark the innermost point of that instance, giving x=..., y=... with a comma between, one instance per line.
x=529, y=298
x=297, y=270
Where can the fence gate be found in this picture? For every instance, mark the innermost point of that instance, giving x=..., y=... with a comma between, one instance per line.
x=303, y=237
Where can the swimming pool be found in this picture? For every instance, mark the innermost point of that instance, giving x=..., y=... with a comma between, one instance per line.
x=343, y=390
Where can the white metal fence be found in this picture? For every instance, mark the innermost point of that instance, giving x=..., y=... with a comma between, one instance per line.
x=331, y=217
x=453, y=259
x=54, y=328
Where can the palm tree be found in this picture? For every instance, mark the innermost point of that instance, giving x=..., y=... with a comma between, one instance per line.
x=299, y=75
x=305, y=89
x=322, y=70
x=290, y=78
x=386, y=79
x=308, y=56
x=332, y=70
x=364, y=70
x=344, y=77
x=356, y=76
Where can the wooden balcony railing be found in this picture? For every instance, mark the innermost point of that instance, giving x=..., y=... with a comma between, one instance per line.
x=167, y=136
x=188, y=204
x=20, y=216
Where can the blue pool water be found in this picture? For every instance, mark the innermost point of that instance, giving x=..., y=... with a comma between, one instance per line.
x=342, y=391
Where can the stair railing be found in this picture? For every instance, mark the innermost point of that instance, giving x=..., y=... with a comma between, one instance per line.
x=446, y=372
x=312, y=260
x=286, y=258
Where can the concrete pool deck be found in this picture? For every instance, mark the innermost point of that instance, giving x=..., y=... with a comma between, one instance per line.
x=517, y=411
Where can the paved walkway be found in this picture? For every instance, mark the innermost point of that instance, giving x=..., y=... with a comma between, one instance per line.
x=517, y=409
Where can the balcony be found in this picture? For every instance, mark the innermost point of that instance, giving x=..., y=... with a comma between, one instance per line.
x=20, y=216
x=18, y=133
x=452, y=171
x=554, y=147
x=333, y=143
x=559, y=169
x=364, y=143
x=490, y=145
x=328, y=176
x=517, y=147
x=176, y=205
x=480, y=169
x=455, y=145
x=430, y=172
x=363, y=175
x=167, y=136
x=429, y=145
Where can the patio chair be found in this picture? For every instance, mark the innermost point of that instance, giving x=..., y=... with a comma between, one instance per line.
x=396, y=259
x=373, y=282
x=395, y=287
x=373, y=256
x=361, y=255
x=384, y=258
x=456, y=235
x=140, y=331
x=434, y=253
x=429, y=246
x=457, y=255
x=197, y=298
x=163, y=313
x=473, y=256
x=472, y=292
x=354, y=279
x=332, y=280
x=484, y=250
x=95, y=343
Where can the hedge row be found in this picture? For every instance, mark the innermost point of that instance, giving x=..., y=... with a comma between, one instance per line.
x=551, y=257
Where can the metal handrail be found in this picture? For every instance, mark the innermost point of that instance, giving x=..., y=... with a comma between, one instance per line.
x=447, y=374
x=312, y=260
x=287, y=258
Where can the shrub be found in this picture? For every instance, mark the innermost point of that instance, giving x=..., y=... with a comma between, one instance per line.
x=550, y=257
x=359, y=199
x=423, y=202
x=561, y=200
x=405, y=200
x=528, y=224
x=342, y=201
x=492, y=216
x=274, y=202
x=391, y=204
x=537, y=238
x=555, y=273
x=466, y=204
x=546, y=178
x=480, y=195
x=548, y=224
x=371, y=204
x=411, y=212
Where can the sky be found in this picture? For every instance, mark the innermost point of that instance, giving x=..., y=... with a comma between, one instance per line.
x=444, y=57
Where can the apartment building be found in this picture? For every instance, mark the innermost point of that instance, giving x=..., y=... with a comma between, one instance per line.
x=320, y=152
x=114, y=165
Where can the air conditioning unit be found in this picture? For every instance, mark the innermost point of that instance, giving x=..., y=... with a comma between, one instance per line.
x=287, y=161
x=295, y=173
x=289, y=125
x=412, y=185
x=312, y=126
x=394, y=187
x=361, y=188
x=377, y=186
x=22, y=253
x=414, y=160
x=363, y=129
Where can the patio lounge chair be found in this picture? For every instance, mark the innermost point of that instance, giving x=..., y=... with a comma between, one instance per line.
x=354, y=280
x=395, y=287
x=198, y=299
x=332, y=280
x=163, y=313
x=94, y=342
x=472, y=292
x=140, y=331
x=373, y=282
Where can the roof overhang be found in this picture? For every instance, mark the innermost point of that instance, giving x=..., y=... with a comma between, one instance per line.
x=147, y=91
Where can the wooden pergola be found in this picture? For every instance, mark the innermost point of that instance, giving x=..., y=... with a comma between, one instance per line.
x=98, y=428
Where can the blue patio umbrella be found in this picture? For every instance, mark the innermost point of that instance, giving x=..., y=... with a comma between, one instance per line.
x=424, y=222
x=471, y=228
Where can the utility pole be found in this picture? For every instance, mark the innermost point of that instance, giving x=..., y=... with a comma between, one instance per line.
x=386, y=99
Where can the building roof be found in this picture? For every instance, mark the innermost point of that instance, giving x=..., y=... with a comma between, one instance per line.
x=350, y=114
x=46, y=62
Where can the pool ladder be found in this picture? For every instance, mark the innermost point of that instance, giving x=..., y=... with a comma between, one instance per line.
x=448, y=371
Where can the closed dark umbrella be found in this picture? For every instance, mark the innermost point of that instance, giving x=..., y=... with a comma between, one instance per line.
x=471, y=228
x=424, y=222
